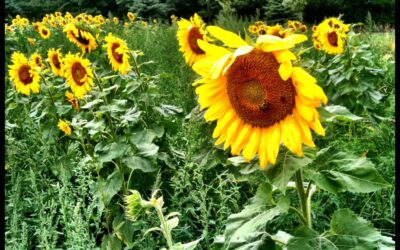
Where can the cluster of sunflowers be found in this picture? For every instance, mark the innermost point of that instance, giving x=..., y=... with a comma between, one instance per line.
x=257, y=97
x=261, y=28
x=330, y=36
x=26, y=74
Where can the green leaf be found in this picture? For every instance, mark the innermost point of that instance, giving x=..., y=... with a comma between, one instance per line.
x=190, y=245
x=287, y=166
x=245, y=229
x=168, y=110
x=110, y=242
x=136, y=162
x=131, y=117
x=106, y=189
x=347, y=232
x=95, y=126
x=91, y=104
x=147, y=149
x=107, y=152
x=339, y=172
x=337, y=112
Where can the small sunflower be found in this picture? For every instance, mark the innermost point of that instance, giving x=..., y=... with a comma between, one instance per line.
x=72, y=99
x=189, y=32
x=118, y=53
x=330, y=36
x=64, y=127
x=79, y=75
x=37, y=59
x=131, y=16
x=54, y=57
x=83, y=39
x=173, y=18
x=24, y=74
x=257, y=97
x=44, y=32
x=115, y=20
x=253, y=29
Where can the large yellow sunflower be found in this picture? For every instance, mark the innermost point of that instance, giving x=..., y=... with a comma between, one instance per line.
x=79, y=75
x=330, y=36
x=24, y=74
x=257, y=97
x=118, y=53
x=189, y=32
x=83, y=39
x=54, y=57
x=44, y=32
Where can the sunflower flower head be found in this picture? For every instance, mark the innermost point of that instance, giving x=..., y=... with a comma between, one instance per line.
x=72, y=99
x=64, y=127
x=118, y=53
x=256, y=96
x=37, y=59
x=24, y=74
x=81, y=38
x=78, y=74
x=330, y=36
x=189, y=32
x=55, y=59
x=44, y=32
x=131, y=16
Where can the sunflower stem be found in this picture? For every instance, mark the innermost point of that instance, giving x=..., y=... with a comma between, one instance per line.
x=305, y=200
x=50, y=94
x=106, y=102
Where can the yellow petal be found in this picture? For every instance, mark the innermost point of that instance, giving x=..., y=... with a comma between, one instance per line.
x=317, y=127
x=263, y=147
x=230, y=39
x=274, y=140
x=231, y=133
x=252, y=145
x=306, y=136
x=221, y=139
x=291, y=136
x=204, y=65
x=284, y=55
x=241, y=139
x=215, y=111
x=285, y=70
x=212, y=49
x=219, y=66
x=223, y=123
x=308, y=113
x=243, y=50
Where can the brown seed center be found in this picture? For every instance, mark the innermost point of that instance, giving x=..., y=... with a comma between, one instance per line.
x=193, y=35
x=56, y=61
x=78, y=73
x=333, y=38
x=256, y=90
x=117, y=56
x=44, y=32
x=81, y=39
x=24, y=75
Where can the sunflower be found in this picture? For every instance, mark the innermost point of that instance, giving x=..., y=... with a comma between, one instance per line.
x=257, y=97
x=24, y=74
x=64, y=127
x=330, y=36
x=131, y=16
x=54, y=57
x=78, y=73
x=118, y=53
x=72, y=99
x=115, y=20
x=173, y=18
x=44, y=32
x=37, y=59
x=253, y=29
x=83, y=39
x=189, y=32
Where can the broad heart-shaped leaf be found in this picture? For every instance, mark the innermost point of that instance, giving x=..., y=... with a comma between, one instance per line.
x=245, y=229
x=286, y=167
x=339, y=172
x=337, y=112
x=348, y=231
x=105, y=189
x=107, y=152
x=137, y=162
x=110, y=242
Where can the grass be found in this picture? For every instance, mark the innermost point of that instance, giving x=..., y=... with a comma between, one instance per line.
x=50, y=202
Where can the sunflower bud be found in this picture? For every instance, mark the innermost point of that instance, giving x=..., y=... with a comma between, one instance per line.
x=134, y=205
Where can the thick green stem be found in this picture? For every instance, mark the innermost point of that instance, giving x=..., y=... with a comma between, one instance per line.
x=305, y=202
x=165, y=230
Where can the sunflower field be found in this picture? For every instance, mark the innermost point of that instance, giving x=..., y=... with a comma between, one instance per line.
x=133, y=133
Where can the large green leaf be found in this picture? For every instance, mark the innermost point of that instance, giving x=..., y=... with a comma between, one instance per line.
x=245, y=230
x=137, y=162
x=348, y=231
x=107, y=152
x=339, y=172
x=287, y=166
x=337, y=112
x=106, y=189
